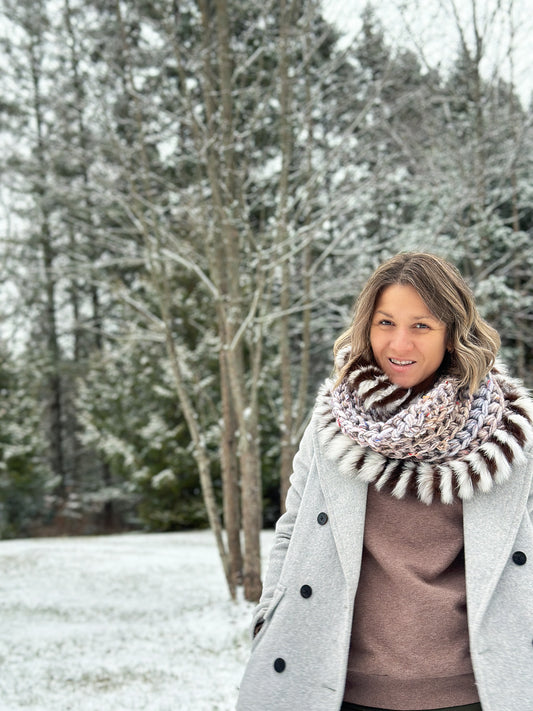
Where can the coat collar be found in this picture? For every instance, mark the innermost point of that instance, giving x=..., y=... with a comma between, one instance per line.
x=346, y=506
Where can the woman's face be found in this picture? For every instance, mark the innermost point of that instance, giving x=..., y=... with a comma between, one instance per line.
x=407, y=340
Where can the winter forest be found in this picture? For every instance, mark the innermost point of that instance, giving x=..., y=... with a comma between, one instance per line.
x=192, y=194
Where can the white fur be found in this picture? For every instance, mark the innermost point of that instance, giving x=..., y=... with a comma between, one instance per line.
x=425, y=483
x=378, y=396
x=402, y=484
x=479, y=465
x=384, y=478
x=464, y=481
x=371, y=466
x=492, y=450
x=446, y=484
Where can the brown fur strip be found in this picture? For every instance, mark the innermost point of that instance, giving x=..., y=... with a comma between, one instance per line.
x=520, y=411
x=489, y=463
x=397, y=395
x=514, y=430
x=506, y=450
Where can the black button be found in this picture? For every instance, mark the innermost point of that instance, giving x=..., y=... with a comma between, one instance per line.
x=279, y=665
x=322, y=518
x=519, y=558
x=306, y=591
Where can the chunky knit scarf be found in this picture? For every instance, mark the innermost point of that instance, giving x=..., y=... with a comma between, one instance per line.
x=443, y=444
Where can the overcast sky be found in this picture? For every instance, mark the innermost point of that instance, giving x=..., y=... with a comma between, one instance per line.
x=430, y=24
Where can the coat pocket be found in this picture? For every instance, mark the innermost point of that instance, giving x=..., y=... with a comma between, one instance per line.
x=279, y=592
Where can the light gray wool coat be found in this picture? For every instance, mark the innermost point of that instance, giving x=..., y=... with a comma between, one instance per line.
x=318, y=543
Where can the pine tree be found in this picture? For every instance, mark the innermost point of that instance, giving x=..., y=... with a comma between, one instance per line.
x=25, y=477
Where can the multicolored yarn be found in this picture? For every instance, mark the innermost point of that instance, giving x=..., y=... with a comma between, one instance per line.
x=444, y=423
x=443, y=444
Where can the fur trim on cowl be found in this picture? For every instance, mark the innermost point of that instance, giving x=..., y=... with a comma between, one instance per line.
x=487, y=460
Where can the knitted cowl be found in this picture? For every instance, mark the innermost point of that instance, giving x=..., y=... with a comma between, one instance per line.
x=444, y=443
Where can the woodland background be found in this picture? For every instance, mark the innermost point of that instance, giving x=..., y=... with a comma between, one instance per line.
x=192, y=194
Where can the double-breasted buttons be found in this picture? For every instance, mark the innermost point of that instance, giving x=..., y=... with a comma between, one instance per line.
x=519, y=557
x=306, y=591
x=322, y=518
x=279, y=665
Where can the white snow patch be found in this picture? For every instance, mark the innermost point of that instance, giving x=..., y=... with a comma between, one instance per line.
x=126, y=622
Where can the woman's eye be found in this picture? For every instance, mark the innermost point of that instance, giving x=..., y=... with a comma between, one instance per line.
x=385, y=322
x=421, y=325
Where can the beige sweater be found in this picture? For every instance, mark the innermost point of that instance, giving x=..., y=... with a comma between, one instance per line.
x=409, y=646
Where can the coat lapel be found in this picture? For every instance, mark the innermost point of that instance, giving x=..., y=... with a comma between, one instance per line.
x=346, y=505
x=491, y=521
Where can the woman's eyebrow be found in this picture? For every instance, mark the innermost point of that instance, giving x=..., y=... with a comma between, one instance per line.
x=414, y=318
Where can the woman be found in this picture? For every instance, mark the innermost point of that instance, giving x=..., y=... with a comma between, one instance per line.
x=401, y=575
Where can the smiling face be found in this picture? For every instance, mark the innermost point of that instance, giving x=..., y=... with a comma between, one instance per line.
x=407, y=340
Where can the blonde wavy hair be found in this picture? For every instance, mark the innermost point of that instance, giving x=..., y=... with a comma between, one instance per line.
x=473, y=344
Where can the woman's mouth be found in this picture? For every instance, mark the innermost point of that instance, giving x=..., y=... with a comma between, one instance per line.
x=396, y=361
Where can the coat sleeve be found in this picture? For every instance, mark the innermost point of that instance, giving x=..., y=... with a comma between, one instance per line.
x=284, y=527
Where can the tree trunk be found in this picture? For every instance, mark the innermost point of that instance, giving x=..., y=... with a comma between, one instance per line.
x=225, y=268
x=45, y=240
x=157, y=271
x=230, y=479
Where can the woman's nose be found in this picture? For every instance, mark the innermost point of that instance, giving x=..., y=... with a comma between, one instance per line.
x=401, y=340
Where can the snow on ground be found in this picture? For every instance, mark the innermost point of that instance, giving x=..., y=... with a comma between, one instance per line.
x=119, y=623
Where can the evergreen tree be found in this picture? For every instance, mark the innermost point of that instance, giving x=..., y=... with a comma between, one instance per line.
x=25, y=478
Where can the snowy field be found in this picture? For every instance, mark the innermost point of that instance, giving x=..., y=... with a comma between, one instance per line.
x=119, y=623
